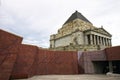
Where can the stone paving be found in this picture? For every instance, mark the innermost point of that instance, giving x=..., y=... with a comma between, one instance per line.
x=73, y=77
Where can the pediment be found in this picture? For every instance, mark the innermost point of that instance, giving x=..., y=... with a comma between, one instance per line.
x=102, y=31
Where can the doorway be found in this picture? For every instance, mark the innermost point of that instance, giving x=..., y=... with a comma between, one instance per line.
x=116, y=67
x=101, y=67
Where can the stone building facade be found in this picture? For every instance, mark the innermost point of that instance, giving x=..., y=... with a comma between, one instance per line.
x=78, y=33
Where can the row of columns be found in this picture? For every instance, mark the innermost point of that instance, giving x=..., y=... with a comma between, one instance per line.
x=98, y=40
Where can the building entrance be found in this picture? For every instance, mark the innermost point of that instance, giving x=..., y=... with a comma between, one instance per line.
x=116, y=67
x=102, y=67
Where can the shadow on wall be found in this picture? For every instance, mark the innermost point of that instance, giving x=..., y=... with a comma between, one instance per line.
x=22, y=61
x=29, y=60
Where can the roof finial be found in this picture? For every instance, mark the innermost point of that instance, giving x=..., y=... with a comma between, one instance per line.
x=76, y=11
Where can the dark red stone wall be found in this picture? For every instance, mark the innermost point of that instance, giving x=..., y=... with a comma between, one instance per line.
x=56, y=62
x=113, y=53
x=7, y=40
x=8, y=53
x=96, y=55
x=33, y=61
x=24, y=61
x=30, y=60
x=7, y=61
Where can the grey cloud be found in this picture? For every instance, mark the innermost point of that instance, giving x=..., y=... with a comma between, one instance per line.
x=35, y=20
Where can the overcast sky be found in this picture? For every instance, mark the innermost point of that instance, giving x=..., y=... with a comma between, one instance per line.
x=36, y=20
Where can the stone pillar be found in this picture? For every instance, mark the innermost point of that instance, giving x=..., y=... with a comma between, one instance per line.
x=110, y=67
x=107, y=42
x=98, y=40
x=103, y=41
x=94, y=40
x=91, y=39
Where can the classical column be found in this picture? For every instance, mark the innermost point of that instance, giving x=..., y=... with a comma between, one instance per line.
x=98, y=40
x=91, y=39
x=94, y=40
x=104, y=41
x=107, y=42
